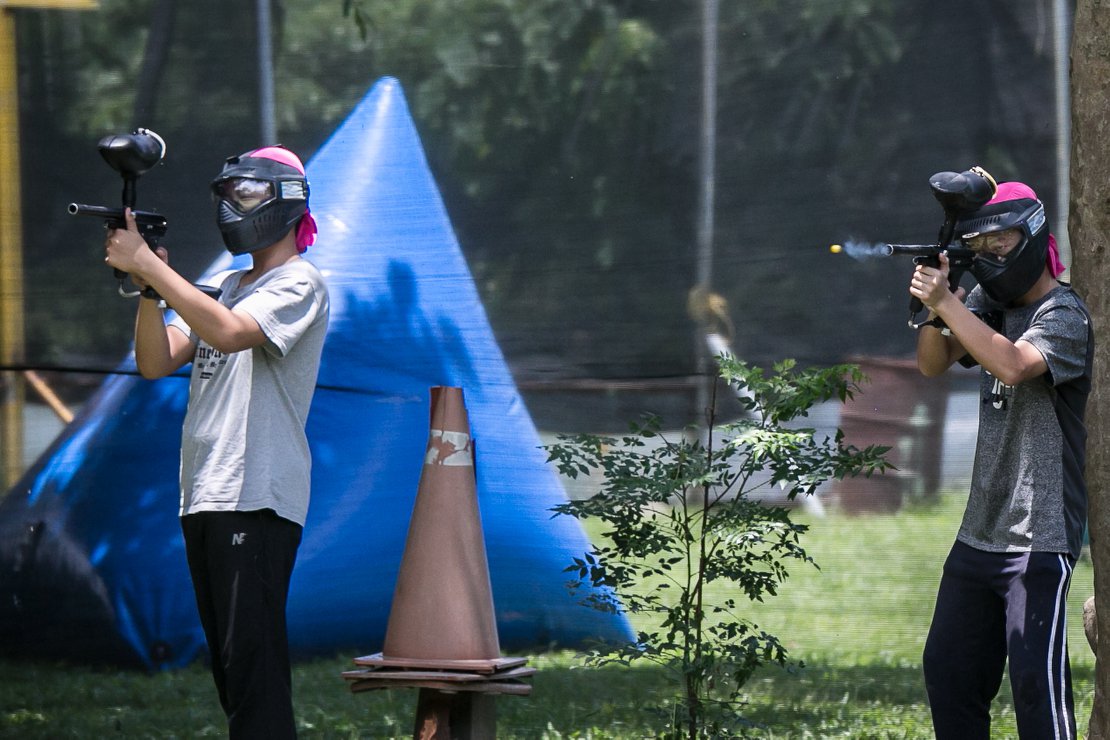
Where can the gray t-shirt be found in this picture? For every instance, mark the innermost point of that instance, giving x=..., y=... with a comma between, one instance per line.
x=243, y=445
x=1027, y=490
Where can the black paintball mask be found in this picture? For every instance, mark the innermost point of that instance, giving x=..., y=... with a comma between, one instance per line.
x=260, y=196
x=1006, y=278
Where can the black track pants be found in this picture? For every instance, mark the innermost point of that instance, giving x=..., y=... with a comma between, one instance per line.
x=992, y=607
x=241, y=563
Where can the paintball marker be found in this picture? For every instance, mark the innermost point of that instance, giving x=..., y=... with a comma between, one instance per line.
x=131, y=155
x=957, y=193
x=959, y=262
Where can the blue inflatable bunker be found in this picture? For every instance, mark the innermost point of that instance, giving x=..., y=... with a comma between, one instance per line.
x=92, y=564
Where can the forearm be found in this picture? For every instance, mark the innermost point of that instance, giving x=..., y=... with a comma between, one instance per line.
x=210, y=320
x=153, y=354
x=1003, y=359
x=936, y=352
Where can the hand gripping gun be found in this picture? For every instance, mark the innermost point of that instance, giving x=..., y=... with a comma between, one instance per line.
x=131, y=155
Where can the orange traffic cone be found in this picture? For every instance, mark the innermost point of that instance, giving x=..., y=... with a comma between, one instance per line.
x=443, y=603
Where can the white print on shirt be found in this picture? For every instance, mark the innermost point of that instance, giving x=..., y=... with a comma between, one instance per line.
x=207, y=360
x=1000, y=393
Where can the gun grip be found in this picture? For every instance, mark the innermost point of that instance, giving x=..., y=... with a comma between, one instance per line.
x=954, y=276
x=916, y=306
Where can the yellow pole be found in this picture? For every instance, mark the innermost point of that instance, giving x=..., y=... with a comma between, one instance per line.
x=52, y=4
x=11, y=260
x=12, y=389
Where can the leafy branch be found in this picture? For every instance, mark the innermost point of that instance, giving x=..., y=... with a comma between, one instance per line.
x=679, y=517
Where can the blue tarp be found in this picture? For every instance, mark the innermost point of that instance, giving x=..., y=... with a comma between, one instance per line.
x=92, y=563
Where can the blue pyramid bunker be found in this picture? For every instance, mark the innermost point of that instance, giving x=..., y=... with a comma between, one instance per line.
x=92, y=564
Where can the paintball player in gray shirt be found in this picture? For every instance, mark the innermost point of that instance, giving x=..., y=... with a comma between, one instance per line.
x=1003, y=590
x=245, y=466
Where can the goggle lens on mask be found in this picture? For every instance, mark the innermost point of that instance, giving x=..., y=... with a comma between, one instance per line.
x=244, y=193
x=996, y=244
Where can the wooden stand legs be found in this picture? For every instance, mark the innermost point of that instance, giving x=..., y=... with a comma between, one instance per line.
x=464, y=715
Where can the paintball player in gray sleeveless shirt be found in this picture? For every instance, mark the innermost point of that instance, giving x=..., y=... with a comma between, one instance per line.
x=245, y=466
x=1003, y=590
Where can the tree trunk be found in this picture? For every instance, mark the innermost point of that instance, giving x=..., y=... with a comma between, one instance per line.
x=1089, y=226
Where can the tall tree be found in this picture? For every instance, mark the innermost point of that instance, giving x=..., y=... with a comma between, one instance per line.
x=1089, y=227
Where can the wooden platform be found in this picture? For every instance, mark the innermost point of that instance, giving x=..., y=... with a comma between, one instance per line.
x=507, y=681
x=492, y=665
x=456, y=700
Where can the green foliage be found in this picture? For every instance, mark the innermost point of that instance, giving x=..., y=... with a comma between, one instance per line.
x=542, y=122
x=682, y=514
x=564, y=136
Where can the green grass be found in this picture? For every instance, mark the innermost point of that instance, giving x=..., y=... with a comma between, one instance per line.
x=858, y=624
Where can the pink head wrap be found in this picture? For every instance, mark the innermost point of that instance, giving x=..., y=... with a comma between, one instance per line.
x=306, y=227
x=279, y=154
x=1016, y=191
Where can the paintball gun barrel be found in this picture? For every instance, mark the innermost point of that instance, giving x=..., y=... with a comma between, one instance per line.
x=151, y=225
x=926, y=251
